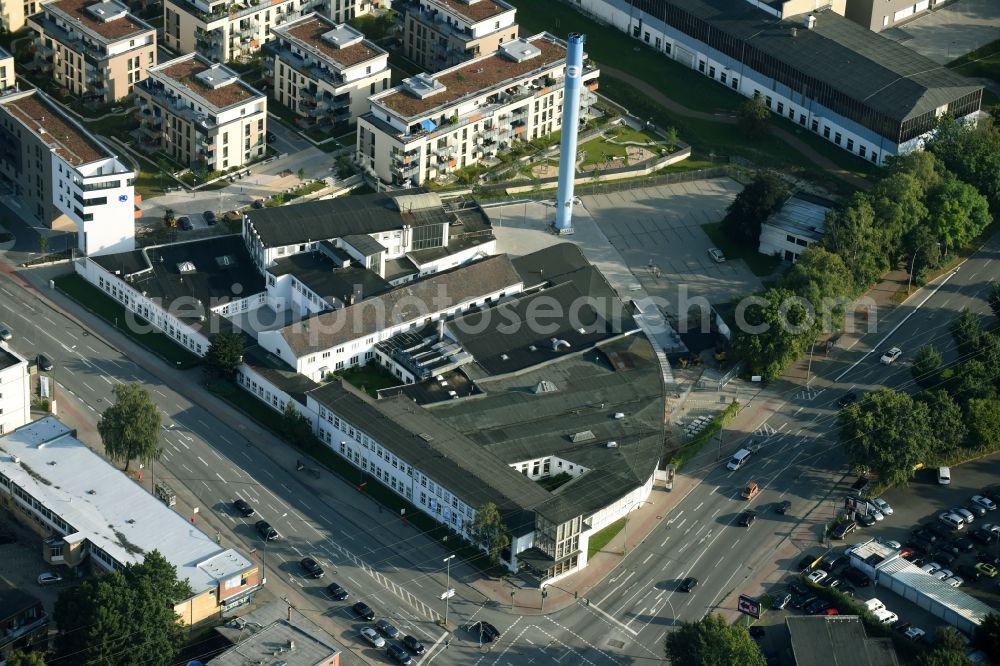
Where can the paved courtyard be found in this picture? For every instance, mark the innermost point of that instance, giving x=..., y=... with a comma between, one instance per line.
x=951, y=31
x=657, y=230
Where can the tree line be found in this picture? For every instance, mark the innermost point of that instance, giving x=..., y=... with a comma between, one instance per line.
x=955, y=415
x=924, y=209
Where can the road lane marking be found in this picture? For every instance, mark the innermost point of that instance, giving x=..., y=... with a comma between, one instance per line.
x=220, y=478
x=202, y=461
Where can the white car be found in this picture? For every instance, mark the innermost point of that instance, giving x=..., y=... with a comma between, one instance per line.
x=954, y=581
x=893, y=544
x=931, y=567
x=882, y=505
x=914, y=633
x=5, y=335
x=890, y=356
x=817, y=576
x=875, y=513
x=716, y=255
x=984, y=502
x=943, y=573
x=990, y=527
x=49, y=578
x=373, y=637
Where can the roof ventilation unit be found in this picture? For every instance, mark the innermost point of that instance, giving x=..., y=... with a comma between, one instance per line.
x=810, y=22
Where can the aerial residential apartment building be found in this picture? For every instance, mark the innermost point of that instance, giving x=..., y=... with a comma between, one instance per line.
x=89, y=513
x=324, y=71
x=201, y=114
x=433, y=124
x=8, y=80
x=15, y=391
x=62, y=176
x=94, y=49
x=438, y=34
x=866, y=94
x=14, y=13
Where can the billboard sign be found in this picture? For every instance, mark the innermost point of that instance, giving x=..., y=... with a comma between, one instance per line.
x=749, y=606
x=856, y=504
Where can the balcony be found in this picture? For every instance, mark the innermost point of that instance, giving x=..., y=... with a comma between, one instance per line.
x=404, y=170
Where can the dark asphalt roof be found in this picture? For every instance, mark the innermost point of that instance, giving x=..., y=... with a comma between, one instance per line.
x=222, y=270
x=14, y=600
x=279, y=373
x=516, y=423
x=549, y=264
x=886, y=76
x=364, y=244
x=397, y=268
x=837, y=639
x=7, y=359
x=427, y=443
x=336, y=218
x=407, y=303
x=335, y=285
x=519, y=333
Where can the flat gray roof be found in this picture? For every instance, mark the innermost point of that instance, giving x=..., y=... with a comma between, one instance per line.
x=802, y=216
x=8, y=358
x=105, y=507
x=837, y=640
x=262, y=636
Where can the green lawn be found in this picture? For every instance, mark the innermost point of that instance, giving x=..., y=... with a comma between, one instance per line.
x=114, y=313
x=117, y=125
x=984, y=62
x=598, y=151
x=369, y=378
x=626, y=133
x=601, y=539
x=761, y=265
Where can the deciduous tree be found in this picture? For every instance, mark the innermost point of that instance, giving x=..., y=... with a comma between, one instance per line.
x=130, y=428
x=966, y=331
x=957, y=213
x=984, y=424
x=772, y=331
x=753, y=116
x=987, y=637
x=993, y=298
x=758, y=200
x=853, y=234
x=712, y=640
x=947, y=422
x=26, y=658
x=122, y=618
x=926, y=363
x=820, y=277
x=488, y=531
x=888, y=432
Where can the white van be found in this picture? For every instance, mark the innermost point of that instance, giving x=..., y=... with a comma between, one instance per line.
x=885, y=616
x=874, y=605
x=739, y=459
x=944, y=475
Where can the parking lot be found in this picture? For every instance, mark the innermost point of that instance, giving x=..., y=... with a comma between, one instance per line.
x=21, y=563
x=913, y=507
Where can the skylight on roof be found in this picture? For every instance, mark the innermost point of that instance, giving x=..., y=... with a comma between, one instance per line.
x=107, y=11
x=423, y=85
x=216, y=76
x=520, y=50
x=342, y=36
x=185, y=267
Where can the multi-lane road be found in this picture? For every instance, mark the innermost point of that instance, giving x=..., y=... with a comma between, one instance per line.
x=214, y=456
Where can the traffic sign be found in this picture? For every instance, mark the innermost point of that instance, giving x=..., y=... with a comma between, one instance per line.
x=749, y=606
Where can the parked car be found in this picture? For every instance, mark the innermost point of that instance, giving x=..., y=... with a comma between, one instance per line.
x=817, y=576
x=798, y=588
x=944, y=475
x=926, y=533
x=243, y=508
x=372, y=637
x=952, y=520
x=184, y=222
x=890, y=356
x=984, y=537
x=847, y=399
x=954, y=580
x=882, y=505
x=337, y=592
x=688, y=584
x=49, y=578
x=901, y=625
x=5, y=335
x=266, y=532
x=757, y=631
x=746, y=518
x=750, y=490
x=386, y=629
x=842, y=530
x=817, y=607
x=857, y=576
x=866, y=520
x=805, y=563
x=782, y=507
x=975, y=509
x=413, y=645
x=44, y=363
x=311, y=567
x=967, y=516
x=258, y=203
x=979, y=500
x=364, y=611
x=941, y=574
x=271, y=137
x=986, y=569
x=914, y=633
x=716, y=255
x=945, y=557
x=968, y=573
x=780, y=601
x=398, y=654
x=832, y=582
x=964, y=544
x=931, y=567
x=210, y=218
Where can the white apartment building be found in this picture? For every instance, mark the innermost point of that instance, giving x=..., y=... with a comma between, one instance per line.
x=324, y=71
x=14, y=13
x=202, y=114
x=438, y=34
x=15, y=391
x=433, y=124
x=8, y=81
x=225, y=30
x=64, y=177
x=346, y=337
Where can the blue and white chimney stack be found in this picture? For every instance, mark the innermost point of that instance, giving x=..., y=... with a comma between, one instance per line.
x=570, y=124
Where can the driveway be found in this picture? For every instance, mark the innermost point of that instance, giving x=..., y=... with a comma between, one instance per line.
x=952, y=31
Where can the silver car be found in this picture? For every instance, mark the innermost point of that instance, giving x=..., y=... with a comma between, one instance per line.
x=372, y=637
x=882, y=505
x=964, y=513
x=5, y=335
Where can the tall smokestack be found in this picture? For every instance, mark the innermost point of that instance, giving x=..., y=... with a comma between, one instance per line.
x=570, y=123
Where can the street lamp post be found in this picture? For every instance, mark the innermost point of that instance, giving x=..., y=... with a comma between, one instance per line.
x=630, y=509
x=447, y=589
